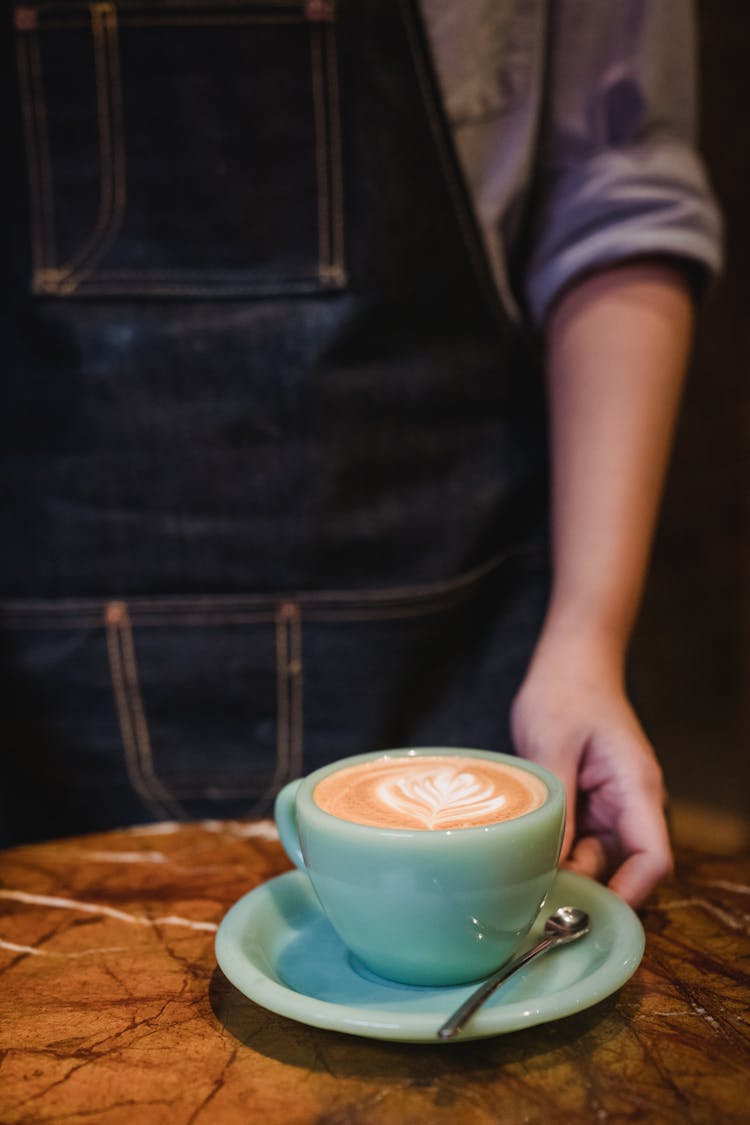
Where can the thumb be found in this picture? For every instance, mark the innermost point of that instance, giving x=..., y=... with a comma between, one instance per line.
x=568, y=777
x=567, y=774
x=569, y=784
x=588, y=857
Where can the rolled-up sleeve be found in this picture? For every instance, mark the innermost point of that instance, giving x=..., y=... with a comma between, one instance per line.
x=618, y=172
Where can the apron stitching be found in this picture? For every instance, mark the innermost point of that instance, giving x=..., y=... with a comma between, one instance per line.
x=86, y=616
x=193, y=613
x=338, y=270
x=121, y=619
x=168, y=20
x=296, y=677
x=197, y=281
x=210, y=619
x=175, y=19
x=396, y=599
x=288, y=696
x=189, y=621
x=111, y=154
x=394, y=613
x=77, y=272
x=34, y=117
x=131, y=715
x=268, y=286
x=321, y=153
x=165, y=274
x=281, y=773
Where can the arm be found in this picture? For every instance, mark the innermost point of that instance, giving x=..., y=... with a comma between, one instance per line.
x=618, y=343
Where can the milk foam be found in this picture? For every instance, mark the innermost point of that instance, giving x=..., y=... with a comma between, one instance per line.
x=430, y=792
x=436, y=794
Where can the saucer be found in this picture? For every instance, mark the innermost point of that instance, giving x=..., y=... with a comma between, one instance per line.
x=277, y=947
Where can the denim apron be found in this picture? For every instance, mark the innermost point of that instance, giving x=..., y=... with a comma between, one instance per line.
x=272, y=455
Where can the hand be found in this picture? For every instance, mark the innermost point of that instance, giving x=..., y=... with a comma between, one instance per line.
x=617, y=348
x=572, y=716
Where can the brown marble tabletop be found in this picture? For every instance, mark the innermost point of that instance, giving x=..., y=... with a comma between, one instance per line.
x=112, y=1008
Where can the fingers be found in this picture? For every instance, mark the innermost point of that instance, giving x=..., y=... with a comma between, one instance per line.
x=646, y=857
x=588, y=857
x=569, y=784
x=639, y=874
x=634, y=880
x=614, y=789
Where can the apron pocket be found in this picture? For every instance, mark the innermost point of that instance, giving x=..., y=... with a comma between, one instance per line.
x=187, y=149
x=204, y=707
x=120, y=713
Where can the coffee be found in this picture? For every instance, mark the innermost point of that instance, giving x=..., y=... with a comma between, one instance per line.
x=429, y=792
x=426, y=907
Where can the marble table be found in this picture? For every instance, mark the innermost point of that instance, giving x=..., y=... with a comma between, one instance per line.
x=113, y=1010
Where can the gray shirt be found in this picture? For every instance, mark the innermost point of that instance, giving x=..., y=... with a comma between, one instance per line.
x=588, y=109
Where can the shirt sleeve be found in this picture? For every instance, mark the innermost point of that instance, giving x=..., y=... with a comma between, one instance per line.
x=618, y=173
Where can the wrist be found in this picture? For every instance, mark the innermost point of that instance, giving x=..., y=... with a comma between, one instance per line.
x=577, y=639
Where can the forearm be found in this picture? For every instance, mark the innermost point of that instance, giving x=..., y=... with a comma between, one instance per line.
x=618, y=345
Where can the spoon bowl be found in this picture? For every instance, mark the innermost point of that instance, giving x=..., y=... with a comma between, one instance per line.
x=566, y=924
x=567, y=921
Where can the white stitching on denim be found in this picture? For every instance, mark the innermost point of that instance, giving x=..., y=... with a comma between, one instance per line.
x=321, y=149
x=338, y=266
x=345, y=613
x=252, y=608
x=391, y=613
x=281, y=773
x=288, y=695
x=23, y=56
x=194, y=620
x=328, y=166
x=167, y=19
x=209, y=21
x=139, y=762
x=123, y=274
x=296, y=680
x=80, y=272
x=137, y=284
x=42, y=215
x=68, y=276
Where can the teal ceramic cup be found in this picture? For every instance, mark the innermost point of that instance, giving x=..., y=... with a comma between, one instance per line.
x=435, y=907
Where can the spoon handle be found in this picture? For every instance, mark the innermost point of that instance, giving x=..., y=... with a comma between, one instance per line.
x=454, y=1024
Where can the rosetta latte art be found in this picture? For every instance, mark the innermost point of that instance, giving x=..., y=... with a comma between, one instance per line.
x=437, y=795
x=430, y=792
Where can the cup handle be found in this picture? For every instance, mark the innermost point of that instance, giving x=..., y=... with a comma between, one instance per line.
x=286, y=822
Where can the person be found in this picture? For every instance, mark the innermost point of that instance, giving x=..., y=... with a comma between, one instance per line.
x=276, y=450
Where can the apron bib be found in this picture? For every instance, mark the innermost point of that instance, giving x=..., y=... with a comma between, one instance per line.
x=274, y=457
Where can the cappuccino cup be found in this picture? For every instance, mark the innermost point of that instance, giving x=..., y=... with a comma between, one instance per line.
x=430, y=864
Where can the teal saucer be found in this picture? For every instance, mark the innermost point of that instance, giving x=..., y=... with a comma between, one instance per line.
x=276, y=946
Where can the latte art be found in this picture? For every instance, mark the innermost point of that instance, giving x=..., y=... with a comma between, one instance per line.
x=430, y=792
x=437, y=795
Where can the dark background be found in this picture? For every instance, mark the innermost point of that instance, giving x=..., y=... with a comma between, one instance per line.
x=690, y=668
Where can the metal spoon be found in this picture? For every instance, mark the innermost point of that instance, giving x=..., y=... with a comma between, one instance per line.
x=568, y=923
